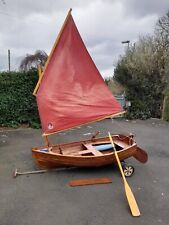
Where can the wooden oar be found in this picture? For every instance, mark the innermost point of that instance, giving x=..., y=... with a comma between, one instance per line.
x=130, y=197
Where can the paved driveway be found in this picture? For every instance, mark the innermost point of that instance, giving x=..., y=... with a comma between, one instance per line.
x=46, y=199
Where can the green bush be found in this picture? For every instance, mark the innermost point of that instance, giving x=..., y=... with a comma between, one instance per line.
x=17, y=104
x=143, y=89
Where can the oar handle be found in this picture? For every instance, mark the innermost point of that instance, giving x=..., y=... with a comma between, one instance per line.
x=117, y=158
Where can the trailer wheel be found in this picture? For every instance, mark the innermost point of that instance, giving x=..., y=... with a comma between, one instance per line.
x=128, y=170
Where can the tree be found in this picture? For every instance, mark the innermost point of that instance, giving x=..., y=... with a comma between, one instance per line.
x=144, y=71
x=162, y=31
x=162, y=39
x=114, y=86
x=163, y=25
x=141, y=72
x=32, y=61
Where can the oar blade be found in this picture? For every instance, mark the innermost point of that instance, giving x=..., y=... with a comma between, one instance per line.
x=130, y=197
x=131, y=200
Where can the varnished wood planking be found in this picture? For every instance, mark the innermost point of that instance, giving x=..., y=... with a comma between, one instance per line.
x=90, y=181
x=57, y=157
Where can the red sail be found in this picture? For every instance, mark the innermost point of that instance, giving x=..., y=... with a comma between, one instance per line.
x=72, y=91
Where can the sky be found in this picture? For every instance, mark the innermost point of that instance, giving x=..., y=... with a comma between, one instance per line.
x=30, y=25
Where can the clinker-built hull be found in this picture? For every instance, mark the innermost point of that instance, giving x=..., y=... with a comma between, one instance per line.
x=89, y=153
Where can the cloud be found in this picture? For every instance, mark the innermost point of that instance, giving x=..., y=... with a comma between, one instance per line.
x=143, y=8
x=30, y=25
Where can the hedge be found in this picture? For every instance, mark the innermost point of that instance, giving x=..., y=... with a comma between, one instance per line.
x=17, y=104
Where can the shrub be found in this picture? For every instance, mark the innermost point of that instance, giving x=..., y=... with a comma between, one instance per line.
x=17, y=104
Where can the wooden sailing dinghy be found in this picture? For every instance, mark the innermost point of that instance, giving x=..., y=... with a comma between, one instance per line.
x=71, y=92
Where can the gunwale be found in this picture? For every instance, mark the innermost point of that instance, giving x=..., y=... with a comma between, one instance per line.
x=53, y=159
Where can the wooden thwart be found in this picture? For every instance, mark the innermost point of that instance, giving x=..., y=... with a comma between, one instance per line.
x=90, y=181
x=93, y=150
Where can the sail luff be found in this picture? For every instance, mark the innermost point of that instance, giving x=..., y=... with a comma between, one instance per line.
x=51, y=53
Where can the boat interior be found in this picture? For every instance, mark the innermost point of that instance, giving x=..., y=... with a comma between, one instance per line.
x=86, y=149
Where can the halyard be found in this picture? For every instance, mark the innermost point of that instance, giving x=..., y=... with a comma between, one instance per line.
x=44, y=199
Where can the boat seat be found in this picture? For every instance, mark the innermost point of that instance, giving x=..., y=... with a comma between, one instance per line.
x=92, y=150
x=89, y=149
x=68, y=151
x=83, y=152
x=121, y=144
